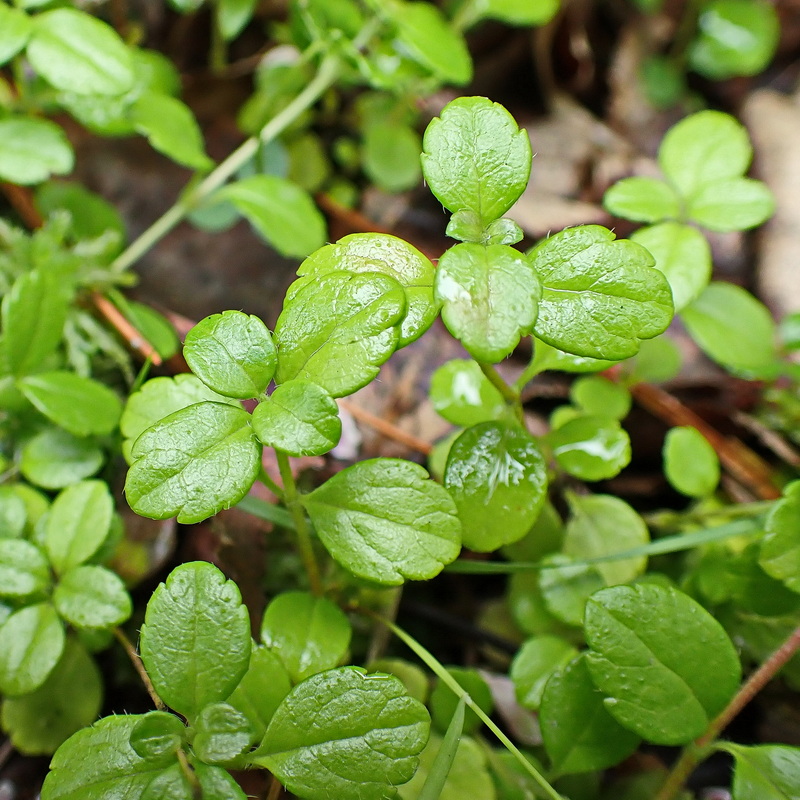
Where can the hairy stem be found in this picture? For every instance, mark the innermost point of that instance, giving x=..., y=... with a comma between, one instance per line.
x=136, y=660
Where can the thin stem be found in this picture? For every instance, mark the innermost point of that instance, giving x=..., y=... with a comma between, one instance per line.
x=300, y=523
x=530, y=372
x=264, y=477
x=139, y=667
x=694, y=753
x=510, y=395
x=6, y=749
x=275, y=789
x=191, y=776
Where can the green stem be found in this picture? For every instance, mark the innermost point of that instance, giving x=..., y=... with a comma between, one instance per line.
x=264, y=477
x=136, y=660
x=530, y=372
x=218, y=55
x=191, y=776
x=266, y=511
x=301, y=526
x=510, y=395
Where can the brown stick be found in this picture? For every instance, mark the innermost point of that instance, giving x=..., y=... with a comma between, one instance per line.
x=387, y=429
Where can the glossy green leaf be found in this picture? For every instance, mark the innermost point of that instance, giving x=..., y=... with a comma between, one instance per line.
x=732, y=205
x=443, y=701
x=220, y=733
x=683, y=254
x=31, y=644
x=490, y=298
x=732, y=328
x=566, y=587
x=734, y=37
x=309, y=634
x=193, y=463
x=519, y=12
x=385, y=520
x=232, y=353
x=15, y=30
x=463, y=395
x=579, y=734
x=703, y=148
x=599, y=396
x=216, y=783
x=475, y=157
x=78, y=523
x=299, y=418
x=54, y=459
x=195, y=642
x=39, y=721
x=233, y=16
x=664, y=687
x=171, y=128
x=690, y=462
x=345, y=734
x=24, y=570
x=157, y=734
x=546, y=357
x=498, y=478
x=780, y=548
x=338, y=329
x=545, y=536
x=642, y=200
x=82, y=406
x=92, y=597
x=591, y=448
x=172, y=783
x=600, y=296
x=766, y=772
x=410, y=675
x=281, y=212
x=33, y=149
x=534, y=663
x=388, y=255
x=91, y=215
x=391, y=156
x=600, y=525
x=76, y=52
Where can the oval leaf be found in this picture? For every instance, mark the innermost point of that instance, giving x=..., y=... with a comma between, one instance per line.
x=31, y=150
x=463, y=395
x=221, y=733
x=24, y=570
x=732, y=205
x=690, y=462
x=591, y=448
x=54, y=459
x=15, y=30
x=642, y=200
x=768, y=772
x=780, y=549
x=534, y=663
x=92, y=597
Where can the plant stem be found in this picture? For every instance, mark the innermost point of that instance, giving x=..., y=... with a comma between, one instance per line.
x=136, y=660
x=275, y=789
x=264, y=477
x=191, y=776
x=302, y=529
x=510, y=395
x=694, y=753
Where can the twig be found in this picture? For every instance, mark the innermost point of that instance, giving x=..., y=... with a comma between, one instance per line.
x=771, y=439
x=136, y=660
x=275, y=789
x=131, y=335
x=21, y=200
x=387, y=429
x=6, y=749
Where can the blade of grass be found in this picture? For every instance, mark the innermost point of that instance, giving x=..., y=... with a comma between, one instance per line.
x=443, y=762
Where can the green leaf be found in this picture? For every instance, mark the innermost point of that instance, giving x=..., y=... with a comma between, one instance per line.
x=442, y=765
x=195, y=642
x=498, y=478
x=31, y=644
x=193, y=463
x=424, y=35
x=704, y=148
x=32, y=149
x=309, y=634
x=519, y=12
x=690, y=462
x=545, y=536
x=92, y=597
x=642, y=200
x=490, y=298
x=412, y=676
x=15, y=30
x=54, y=459
x=780, y=548
x=82, y=406
x=70, y=699
x=91, y=215
x=233, y=16
x=338, y=329
x=534, y=663
x=78, y=524
x=546, y=357
x=665, y=688
x=657, y=360
x=155, y=327
x=579, y=734
x=566, y=587
x=388, y=255
x=221, y=733
x=13, y=514
x=157, y=734
x=734, y=37
x=24, y=570
x=216, y=783
x=768, y=772
x=732, y=205
x=682, y=253
x=391, y=156
x=171, y=128
x=476, y=158
x=732, y=328
x=600, y=525
x=172, y=783
x=443, y=701
x=345, y=734
x=280, y=211
x=299, y=418
x=595, y=395
x=232, y=353
x=76, y=52
x=463, y=395
x=600, y=296
x=591, y=448
x=385, y=520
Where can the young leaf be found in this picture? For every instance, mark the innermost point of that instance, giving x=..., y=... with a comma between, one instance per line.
x=31, y=644
x=732, y=205
x=443, y=701
x=338, y=329
x=101, y=65
x=54, y=459
x=642, y=200
x=221, y=733
x=476, y=158
x=82, y=406
x=599, y=396
x=157, y=734
x=299, y=418
x=579, y=734
x=92, y=597
x=172, y=783
x=498, y=478
x=768, y=772
x=665, y=688
x=31, y=150
x=281, y=212
x=195, y=642
x=384, y=520
x=15, y=30
x=194, y=463
x=232, y=353
x=534, y=663
x=600, y=296
x=780, y=548
x=566, y=588
x=690, y=462
x=233, y=16
x=388, y=255
x=309, y=634
x=463, y=395
x=490, y=298
x=591, y=448
x=366, y=741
